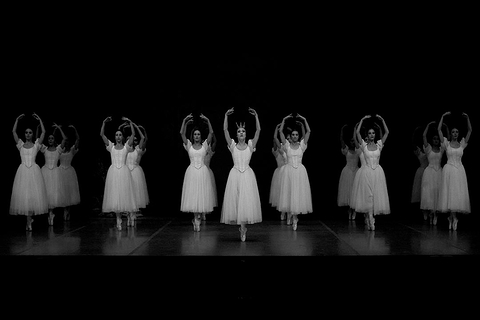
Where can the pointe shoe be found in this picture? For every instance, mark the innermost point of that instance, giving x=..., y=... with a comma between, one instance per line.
x=66, y=216
x=282, y=216
x=454, y=224
x=295, y=224
x=372, y=224
x=354, y=214
x=243, y=234
x=449, y=223
x=196, y=225
x=204, y=217
x=119, y=224
x=29, y=225
x=435, y=220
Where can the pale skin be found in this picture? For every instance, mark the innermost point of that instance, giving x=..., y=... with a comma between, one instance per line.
x=241, y=143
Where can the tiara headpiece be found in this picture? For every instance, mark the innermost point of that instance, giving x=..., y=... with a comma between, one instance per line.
x=240, y=125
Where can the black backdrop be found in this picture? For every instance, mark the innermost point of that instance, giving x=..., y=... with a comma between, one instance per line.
x=81, y=78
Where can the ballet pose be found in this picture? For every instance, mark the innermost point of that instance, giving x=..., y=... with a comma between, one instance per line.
x=417, y=179
x=432, y=176
x=197, y=189
x=359, y=181
x=295, y=193
x=207, y=160
x=138, y=176
x=119, y=194
x=454, y=197
x=281, y=160
x=374, y=199
x=29, y=194
x=68, y=174
x=241, y=202
x=51, y=172
x=348, y=174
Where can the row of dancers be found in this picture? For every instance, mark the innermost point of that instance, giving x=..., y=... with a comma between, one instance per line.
x=364, y=189
x=38, y=191
x=290, y=188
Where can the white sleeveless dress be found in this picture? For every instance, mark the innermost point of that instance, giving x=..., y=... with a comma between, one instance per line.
x=241, y=201
x=138, y=176
x=69, y=179
x=431, y=179
x=51, y=176
x=347, y=176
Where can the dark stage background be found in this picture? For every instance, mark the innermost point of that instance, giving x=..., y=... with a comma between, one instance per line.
x=332, y=80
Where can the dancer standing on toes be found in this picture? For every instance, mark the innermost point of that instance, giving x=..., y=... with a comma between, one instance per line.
x=280, y=158
x=295, y=193
x=119, y=194
x=51, y=172
x=432, y=176
x=68, y=175
x=241, y=202
x=348, y=174
x=454, y=197
x=374, y=198
x=29, y=194
x=197, y=189
x=138, y=176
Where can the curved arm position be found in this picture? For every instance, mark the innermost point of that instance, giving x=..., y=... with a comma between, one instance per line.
x=183, y=129
x=210, y=129
x=225, y=126
x=14, y=130
x=257, y=127
x=385, y=135
x=469, y=132
x=42, y=135
x=102, y=130
x=306, y=136
x=440, y=124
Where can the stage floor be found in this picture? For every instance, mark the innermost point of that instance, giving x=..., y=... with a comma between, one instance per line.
x=174, y=236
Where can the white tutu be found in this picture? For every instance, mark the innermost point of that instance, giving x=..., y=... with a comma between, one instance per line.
x=29, y=194
x=431, y=180
x=295, y=193
x=69, y=179
x=53, y=185
x=119, y=195
x=197, y=189
x=454, y=195
x=138, y=177
x=417, y=179
x=347, y=176
x=241, y=201
x=276, y=177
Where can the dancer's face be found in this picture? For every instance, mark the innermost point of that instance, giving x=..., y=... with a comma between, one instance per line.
x=51, y=140
x=295, y=136
x=241, y=133
x=28, y=134
x=119, y=137
x=454, y=133
x=197, y=136
x=436, y=140
x=371, y=135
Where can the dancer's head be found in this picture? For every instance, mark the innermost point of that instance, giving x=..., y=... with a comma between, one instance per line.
x=28, y=134
x=371, y=134
x=454, y=133
x=119, y=136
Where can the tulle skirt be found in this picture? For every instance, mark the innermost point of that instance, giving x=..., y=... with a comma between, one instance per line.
x=119, y=195
x=241, y=202
x=454, y=190
x=431, y=183
x=53, y=185
x=71, y=190
x=295, y=193
x=417, y=185
x=275, y=187
x=345, y=185
x=140, y=187
x=29, y=194
x=214, y=187
x=358, y=186
x=197, y=191
x=372, y=193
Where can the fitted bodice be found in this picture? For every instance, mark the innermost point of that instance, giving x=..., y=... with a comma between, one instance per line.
x=279, y=158
x=119, y=157
x=28, y=155
x=241, y=158
x=197, y=157
x=372, y=158
x=294, y=156
x=454, y=155
x=51, y=157
x=422, y=159
x=434, y=158
x=134, y=157
x=67, y=157
x=351, y=158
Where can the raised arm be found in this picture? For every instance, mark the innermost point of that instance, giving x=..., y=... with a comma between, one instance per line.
x=425, y=141
x=14, y=130
x=42, y=135
x=102, y=130
x=64, y=137
x=359, y=136
x=469, y=132
x=306, y=137
x=132, y=128
x=440, y=124
x=276, y=142
x=342, y=141
x=210, y=129
x=77, y=136
x=257, y=127
x=142, y=137
x=183, y=129
x=225, y=126
x=355, y=138
x=385, y=135
x=282, y=135
x=143, y=131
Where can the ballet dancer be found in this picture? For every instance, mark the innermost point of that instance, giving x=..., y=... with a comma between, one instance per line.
x=119, y=193
x=295, y=193
x=374, y=198
x=454, y=197
x=197, y=189
x=29, y=193
x=241, y=201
